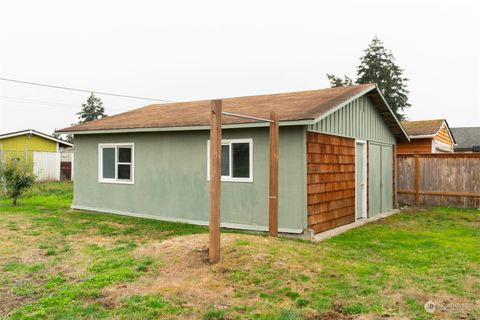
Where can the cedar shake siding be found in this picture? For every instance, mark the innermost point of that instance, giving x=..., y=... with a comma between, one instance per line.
x=415, y=146
x=443, y=136
x=330, y=181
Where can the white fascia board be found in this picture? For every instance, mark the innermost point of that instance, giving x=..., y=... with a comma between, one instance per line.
x=37, y=133
x=193, y=128
x=423, y=136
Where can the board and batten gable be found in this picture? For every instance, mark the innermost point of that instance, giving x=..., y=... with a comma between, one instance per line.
x=358, y=119
x=170, y=179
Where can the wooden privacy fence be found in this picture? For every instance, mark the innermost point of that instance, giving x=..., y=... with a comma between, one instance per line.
x=451, y=179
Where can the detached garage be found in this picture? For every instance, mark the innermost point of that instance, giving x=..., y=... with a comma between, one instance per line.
x=336, y=160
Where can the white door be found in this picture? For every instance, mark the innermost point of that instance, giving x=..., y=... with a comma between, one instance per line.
x=360, y=180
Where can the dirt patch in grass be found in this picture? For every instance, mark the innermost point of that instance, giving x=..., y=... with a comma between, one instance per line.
x=446, y=306
x=9, y=301
x=185, y=274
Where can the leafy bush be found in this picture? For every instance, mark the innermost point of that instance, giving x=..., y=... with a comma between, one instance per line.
x=15, y=179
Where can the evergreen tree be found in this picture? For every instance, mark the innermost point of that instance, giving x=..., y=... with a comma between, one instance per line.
x=378, y=66
x=339, y=82
x=91, y=110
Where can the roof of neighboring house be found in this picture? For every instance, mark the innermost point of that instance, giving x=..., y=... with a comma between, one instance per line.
x=425, y=128
x=466, y=137
x=302, y=107
x=34, y=132
x=422, y=127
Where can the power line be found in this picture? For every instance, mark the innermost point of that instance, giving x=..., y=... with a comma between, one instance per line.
x=40, y=102
x=48, y=103
x=82, y=90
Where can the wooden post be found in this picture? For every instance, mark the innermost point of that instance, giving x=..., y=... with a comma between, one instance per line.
x=215, y=179
x=273, y=177
x=394, y=177
x=417, y=179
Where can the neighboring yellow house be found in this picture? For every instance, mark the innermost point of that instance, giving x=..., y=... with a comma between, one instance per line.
x=23, y=145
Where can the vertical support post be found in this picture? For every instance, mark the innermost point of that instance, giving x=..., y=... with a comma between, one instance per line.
x=215, y=179
x=25, y=158
x=273, y=177
x=417, y=179
x=394, y=186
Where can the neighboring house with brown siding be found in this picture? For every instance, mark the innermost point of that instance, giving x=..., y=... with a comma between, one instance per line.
x=336, y=160
x=427, y=136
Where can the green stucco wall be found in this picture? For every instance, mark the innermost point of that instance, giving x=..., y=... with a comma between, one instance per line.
x=359, y=119
x=171, y=179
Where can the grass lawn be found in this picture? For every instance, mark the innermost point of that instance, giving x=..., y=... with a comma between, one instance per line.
x=61, y=264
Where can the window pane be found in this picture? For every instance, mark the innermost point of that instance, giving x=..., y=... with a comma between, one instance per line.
x=125, y=154
x=241, y=160
x=225, y=160
x=108, y=165
x=124, y=171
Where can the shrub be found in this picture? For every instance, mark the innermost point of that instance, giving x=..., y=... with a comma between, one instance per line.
x=15, y=179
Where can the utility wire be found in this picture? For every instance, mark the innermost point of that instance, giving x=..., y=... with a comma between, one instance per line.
x=48, y=103
x=82, y=90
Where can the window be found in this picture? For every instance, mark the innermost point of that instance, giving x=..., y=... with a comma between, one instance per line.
x=115, y=163
x=237, y=160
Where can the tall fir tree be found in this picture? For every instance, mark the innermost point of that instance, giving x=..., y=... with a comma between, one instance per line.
x=91, y=110
x=378, y=66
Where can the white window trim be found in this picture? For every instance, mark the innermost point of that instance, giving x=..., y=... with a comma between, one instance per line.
x=230, y=178
x=100, y=163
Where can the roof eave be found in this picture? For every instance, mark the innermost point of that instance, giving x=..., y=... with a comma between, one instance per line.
x=37, y=133
x=422, y=136
x=188, y=128
x=405, y=135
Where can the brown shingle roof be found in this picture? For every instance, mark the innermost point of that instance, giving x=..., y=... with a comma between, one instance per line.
x=303, y=105
x=422, y=127
x=290, y=106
